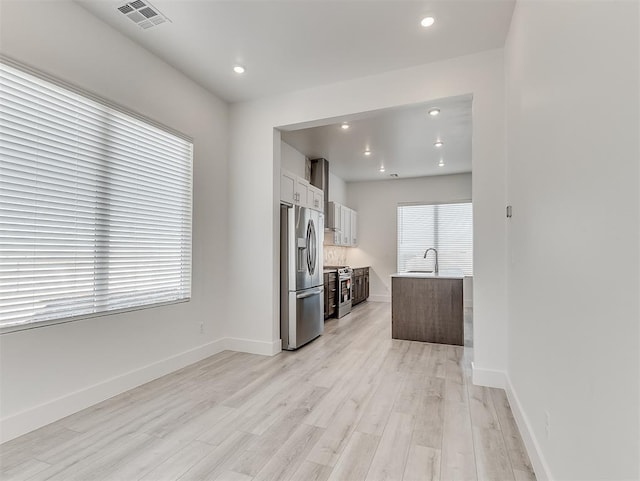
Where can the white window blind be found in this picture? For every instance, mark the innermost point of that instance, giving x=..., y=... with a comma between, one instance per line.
x=446, y=227
x=95, y=206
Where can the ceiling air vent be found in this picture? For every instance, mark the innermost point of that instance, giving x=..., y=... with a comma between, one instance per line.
x=143, y=14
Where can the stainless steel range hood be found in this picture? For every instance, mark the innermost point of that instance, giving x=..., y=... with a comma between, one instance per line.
x=320, y=179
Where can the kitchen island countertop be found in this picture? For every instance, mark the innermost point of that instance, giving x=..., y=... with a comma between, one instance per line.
x=444, y=274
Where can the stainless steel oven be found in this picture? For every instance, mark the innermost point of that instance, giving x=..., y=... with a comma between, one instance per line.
x=344, y=291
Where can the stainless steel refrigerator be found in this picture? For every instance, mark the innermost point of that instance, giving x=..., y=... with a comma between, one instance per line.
x=301, y=278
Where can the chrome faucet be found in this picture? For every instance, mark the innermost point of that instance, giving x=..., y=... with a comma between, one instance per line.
x=435, y=270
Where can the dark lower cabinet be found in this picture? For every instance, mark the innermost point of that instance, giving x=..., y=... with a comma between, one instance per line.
x=360, y=282
x=330, y=288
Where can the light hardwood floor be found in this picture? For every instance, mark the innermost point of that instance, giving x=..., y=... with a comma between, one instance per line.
x=352, y=405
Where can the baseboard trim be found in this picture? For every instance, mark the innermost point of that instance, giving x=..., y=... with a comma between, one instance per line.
x=378, y=298
x=538, y=462
x=252, y=346
x=488, y=377
x=33, y=418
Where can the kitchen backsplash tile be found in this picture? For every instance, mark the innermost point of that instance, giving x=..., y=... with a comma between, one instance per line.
x=335, y=256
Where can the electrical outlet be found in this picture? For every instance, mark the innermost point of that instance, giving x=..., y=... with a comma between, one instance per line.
x=202, y=328
x=547, y=424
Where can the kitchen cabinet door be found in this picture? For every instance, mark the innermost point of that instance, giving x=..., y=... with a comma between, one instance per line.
x=287, y=187
x=356, y=287
x=334, y=216
x=316, y=198
x=354, y=228
x=346, y=226
x=366, y=283
x=326, y=295
x=301, y=194
x=330, y=287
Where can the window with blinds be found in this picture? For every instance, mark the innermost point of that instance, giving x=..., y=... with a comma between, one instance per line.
x=446, y=227
x=95, y=206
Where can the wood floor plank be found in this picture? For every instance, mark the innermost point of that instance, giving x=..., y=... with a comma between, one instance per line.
x=288, y=422
x=309, y=471
x=458, y=457
x=101, y=463
x=429, y=420
x=483, y=412
x=524, y=475
x=66, y=463
x=179, y=463
x=389, y=459
x=23, y=471
x=492, y=460
x=411, y=394
x=219, y=460
x=513, y=441
x=290, y=456
x=159, y=448
x=356, y=459
x=32, y=445
x=233, y=476
x=346, y=417
x=454, y=368
x=324, y=413
x=455, y=392
x=379, y=407
x=353, y=404
x=436, y=365
x=423, y=464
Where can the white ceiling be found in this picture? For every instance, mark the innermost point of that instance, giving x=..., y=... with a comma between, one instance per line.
x=401, y=139
x=287, y=45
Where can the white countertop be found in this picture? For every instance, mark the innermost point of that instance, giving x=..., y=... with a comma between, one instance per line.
x=444, y=274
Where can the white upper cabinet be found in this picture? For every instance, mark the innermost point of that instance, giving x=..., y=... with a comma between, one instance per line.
x=354, y=228
x=287, y=187
x=302, y=192
x=343, y=223
x=295, y=190
x=334, y=216
x=318, y=199
x=346, y=226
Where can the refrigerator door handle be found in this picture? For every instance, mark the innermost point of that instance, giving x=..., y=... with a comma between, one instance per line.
x=311, y=244
x=315, y=292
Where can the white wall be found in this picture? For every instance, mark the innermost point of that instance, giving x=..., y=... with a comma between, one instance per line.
x=49, y=372
x=253, y=142
x=292, y=160
x=573, y=166
x=376, y=203
x=337, y=189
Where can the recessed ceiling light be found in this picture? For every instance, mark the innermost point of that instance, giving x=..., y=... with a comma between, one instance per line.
x=438, y=143
x=344, y=126
x=427, y=21
x=382, y=168
x=238, y=69
x=367, y=152
x=441, y=164
x=433, y=112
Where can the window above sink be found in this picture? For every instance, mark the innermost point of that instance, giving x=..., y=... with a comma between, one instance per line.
x=446, y=227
